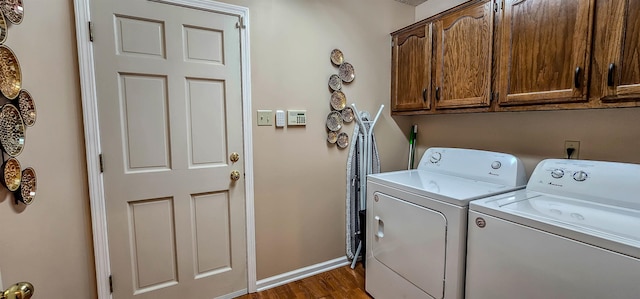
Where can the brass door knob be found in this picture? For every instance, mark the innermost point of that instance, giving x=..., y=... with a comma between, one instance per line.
x=234, y=157
x=21, y=290
x=235, y=175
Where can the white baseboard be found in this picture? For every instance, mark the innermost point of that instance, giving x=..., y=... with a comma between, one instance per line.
x=233, y=295
x=301, y=273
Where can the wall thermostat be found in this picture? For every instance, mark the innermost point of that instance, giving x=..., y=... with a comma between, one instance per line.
x=297, y=117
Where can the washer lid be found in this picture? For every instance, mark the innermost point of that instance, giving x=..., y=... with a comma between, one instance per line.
x=443, y=187
x=612, y=227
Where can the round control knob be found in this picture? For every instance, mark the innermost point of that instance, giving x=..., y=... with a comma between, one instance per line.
x=496, y=164
x=435, y=157
x=557, y=173
x=580, y=176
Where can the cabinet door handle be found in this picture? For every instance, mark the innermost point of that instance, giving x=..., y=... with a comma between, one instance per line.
x=424, y=95
x=612, y=67
x=576, y=78
x=437, y=93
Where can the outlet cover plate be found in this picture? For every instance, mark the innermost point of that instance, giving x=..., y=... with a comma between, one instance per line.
x=572, y=144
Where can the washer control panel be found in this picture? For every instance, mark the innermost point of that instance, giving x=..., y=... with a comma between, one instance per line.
x=597, y=180
x=435, y=157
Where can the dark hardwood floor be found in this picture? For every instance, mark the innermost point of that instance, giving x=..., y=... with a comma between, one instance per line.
x=342, y=282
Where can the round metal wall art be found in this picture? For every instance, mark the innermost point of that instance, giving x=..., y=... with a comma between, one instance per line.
x=334, y=121
x=337, y=58
x=347, y=114
x=338, y=100
x=11, y=175
x=343, y=140
x=335, y=83
x=27, y=108
x=28, y=186
x=340, y=113
x=12, y=130
x=346, y=72
x=4, y=28
x=332, y=137
x=13, y=10
x=18, y=111
x=10, y=74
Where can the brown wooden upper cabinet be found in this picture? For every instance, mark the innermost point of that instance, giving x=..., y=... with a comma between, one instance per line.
x=411, y=69
x=463, y=53
x=544, y=48
x=621, y=50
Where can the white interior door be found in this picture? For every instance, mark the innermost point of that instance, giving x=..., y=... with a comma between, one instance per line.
x=170, y=116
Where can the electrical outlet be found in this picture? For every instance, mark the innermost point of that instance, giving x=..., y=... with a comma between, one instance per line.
x=571, y=144
x=265, y=118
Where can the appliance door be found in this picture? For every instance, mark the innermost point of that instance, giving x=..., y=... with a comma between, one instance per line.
x=410, y=240
x=506, y=260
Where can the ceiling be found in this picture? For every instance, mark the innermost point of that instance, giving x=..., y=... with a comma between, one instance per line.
x=412, y=2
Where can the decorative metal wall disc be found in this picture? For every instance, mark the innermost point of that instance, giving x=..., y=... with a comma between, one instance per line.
x=334, y=121
x=337, y=57
x=343, y=140
x=10, y=75
x=332, y=137
x=346, y=72
x=338, y=100
x=27, y=191
x=13, y=10
x=335, y=83
x=27, y=108
x=347, y=114
x=11, y=174
x=12, y=130
x=4, y=30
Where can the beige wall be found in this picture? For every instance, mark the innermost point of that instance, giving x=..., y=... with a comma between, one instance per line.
x=604, y=134
x=299, y=177
x=433, y=7
x=49, y=242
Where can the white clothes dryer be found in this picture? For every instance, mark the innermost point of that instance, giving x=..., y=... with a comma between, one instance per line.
x=417, y=220
x=574, y=232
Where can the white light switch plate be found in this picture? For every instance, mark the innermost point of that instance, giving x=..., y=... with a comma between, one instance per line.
x=265, y=118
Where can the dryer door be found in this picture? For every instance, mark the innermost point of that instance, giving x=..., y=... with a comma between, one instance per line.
x=410, y=240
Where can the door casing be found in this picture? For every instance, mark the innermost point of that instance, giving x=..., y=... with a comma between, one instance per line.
x=92, y=134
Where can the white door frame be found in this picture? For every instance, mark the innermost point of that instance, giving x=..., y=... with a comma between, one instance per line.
x=92, y=134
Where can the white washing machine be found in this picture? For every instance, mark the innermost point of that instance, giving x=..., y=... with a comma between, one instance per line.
x=574, y=232
x=417, y=220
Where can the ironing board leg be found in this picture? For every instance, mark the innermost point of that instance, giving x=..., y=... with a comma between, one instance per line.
x=355, y=257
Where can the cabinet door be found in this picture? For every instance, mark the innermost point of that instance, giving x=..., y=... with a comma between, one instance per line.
x=623, y=71
x=544, y=46
x=462, y=56
x=411, y=69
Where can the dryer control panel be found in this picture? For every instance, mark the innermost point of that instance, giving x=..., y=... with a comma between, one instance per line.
x=492, y=167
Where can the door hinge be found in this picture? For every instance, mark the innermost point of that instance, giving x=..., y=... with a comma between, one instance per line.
x=502, y=5
x=101, y=163
x=90, y=31
x=111, y=284
x=240, y=23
